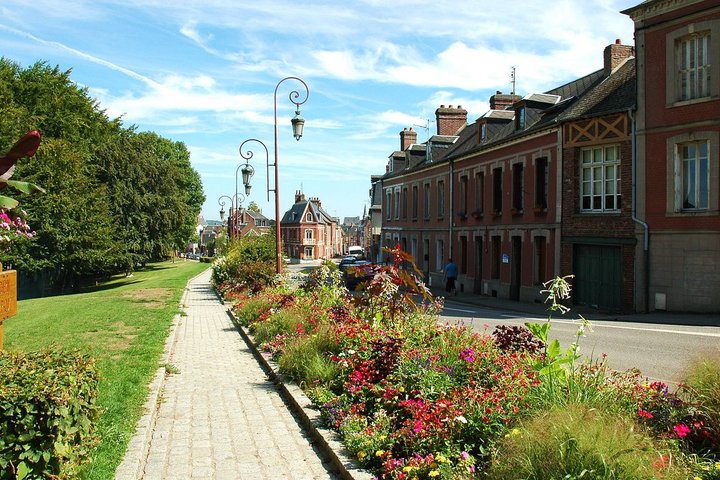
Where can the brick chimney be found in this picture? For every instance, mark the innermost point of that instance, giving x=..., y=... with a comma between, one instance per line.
x=616, y=54
x=299, y=196
x=407, y=137
x=315, y=201
x=450, y=119
x=501, y=101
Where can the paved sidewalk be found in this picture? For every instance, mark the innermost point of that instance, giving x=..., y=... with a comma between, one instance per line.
x=220, y=417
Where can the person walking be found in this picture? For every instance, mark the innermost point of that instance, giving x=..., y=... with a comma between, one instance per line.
x=450, y=276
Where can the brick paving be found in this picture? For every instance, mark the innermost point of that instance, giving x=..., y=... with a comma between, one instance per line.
x=219, y=417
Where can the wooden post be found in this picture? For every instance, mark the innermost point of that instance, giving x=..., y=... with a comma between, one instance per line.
x=8, y=297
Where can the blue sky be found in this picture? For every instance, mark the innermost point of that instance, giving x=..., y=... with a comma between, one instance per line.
x=204, y=71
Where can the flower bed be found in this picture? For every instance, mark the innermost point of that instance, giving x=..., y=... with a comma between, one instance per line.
x=415, y=399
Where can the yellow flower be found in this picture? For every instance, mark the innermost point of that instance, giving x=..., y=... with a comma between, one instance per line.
x=696, y=478
x=515, y=431
x=362, y=455
x=408, y=469
x=717, y=465
x=379, y=453
x=441, y=459
x=434, y=473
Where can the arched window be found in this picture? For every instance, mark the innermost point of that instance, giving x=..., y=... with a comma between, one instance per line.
x=308, y=234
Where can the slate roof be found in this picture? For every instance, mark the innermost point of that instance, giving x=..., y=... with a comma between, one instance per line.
x=614, y=94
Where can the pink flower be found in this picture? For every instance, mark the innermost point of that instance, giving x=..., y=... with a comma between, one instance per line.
x=417, y=428
x=464, y=455
x=644, y=414
x=681, y=430
x=468, y=355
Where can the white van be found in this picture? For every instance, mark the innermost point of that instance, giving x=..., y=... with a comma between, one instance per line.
x=356, y=251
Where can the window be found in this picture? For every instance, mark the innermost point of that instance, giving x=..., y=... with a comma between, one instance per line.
x=520, y=119
x=496, y=258
x=308, y=252
x=308, y=234
x=539, y=260
x=308, y=217
x=404, y=203
x=479, y=192
x=441, y=198
x=414, y=202
x=426, y=200
x=518, y=186
x=497, y=190
x=694, y=175
x=541, y=183
x=397, y=203
x=463, y=195
x=439, y=255
x=388, y=204
x=483, y=133
x=693, y=66
x=600, y=185
x=463, y=255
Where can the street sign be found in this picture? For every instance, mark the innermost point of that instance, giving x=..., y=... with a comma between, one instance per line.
x=8, y=294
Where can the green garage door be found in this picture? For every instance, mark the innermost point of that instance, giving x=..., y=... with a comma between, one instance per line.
x=598, y=277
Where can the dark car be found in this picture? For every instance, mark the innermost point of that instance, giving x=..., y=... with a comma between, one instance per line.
x=357, y=272
x=346, y=262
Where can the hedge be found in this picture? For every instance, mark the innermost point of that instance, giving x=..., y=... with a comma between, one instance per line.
x=47, y=413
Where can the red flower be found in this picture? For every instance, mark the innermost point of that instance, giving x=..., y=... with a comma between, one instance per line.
x=681, y=430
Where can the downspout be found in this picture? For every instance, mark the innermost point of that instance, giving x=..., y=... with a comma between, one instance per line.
x=452, y=208
x=646, y=227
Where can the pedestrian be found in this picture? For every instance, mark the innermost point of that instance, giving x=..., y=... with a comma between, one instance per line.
x=450, y=277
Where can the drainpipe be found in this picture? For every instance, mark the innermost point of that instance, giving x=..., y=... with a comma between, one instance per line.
x=452, y=208
x=646, y=227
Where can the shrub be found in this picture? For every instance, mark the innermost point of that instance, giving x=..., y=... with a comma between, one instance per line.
x=576, y=442
x=702, y=390
x=48, y=412
x=516, y=338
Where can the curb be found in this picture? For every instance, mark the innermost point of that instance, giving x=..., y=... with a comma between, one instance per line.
x=326, y=440
x=133, y=463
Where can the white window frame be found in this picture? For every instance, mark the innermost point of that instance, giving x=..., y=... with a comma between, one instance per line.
x=692, y=55
x=674, y=41
x=308, y=234
x=692, y=176
x=396, y=204
x=441, y=198
x=600, y=179
x=439, y=254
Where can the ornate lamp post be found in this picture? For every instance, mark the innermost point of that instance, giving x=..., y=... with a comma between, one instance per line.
x=222, y=209
x=297, y=123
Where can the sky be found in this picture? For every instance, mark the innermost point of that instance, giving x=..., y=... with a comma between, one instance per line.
x=204, y=72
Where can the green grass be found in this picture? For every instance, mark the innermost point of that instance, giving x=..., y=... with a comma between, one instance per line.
x=123, y=324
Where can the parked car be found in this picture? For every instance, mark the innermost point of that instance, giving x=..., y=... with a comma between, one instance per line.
x=357, y=272
x=346, y=262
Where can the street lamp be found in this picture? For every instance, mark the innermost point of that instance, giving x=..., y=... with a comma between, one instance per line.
x=297, y=123
x=222, y=209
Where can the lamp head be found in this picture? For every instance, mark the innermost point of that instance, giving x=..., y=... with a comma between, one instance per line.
x=222, y=214
x=298, y=123
x=247, y=172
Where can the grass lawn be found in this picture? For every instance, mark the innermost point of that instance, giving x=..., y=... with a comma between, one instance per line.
x=123, y=324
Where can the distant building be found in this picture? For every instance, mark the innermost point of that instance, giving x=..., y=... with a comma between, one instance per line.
x=308, y=232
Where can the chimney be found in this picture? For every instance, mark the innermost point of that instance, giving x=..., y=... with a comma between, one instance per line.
x=315, y=201
x=407, y=137
x=616, y=54
x=299, y=196
x=450, y=120
x=502, y=102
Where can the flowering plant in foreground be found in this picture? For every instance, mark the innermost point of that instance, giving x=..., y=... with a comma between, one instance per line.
x=13, y=226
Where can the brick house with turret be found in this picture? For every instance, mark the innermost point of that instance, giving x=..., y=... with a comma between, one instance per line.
x=308, y=232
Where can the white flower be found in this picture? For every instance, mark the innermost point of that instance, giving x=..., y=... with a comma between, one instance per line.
x=461, y=419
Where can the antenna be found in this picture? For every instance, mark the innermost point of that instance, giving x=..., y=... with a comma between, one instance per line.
x=512, y=79
x=425, y=127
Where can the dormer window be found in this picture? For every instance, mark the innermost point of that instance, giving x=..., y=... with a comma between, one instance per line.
x=520, y=119
x=308, y=217
x=483, y=133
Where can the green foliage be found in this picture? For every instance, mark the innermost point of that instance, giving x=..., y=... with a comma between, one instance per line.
x=47, y=413
x=306, y=359
x=249, y=263
x=116, y=198
x=702, y=389
x=574, y=442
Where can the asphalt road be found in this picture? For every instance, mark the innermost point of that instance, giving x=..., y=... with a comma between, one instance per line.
x=661, y=352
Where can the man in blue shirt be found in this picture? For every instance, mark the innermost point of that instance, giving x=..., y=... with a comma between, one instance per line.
x=451, y=276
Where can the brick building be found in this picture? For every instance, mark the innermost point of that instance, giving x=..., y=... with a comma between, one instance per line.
x=308, y=232
x=490, y=194
x=598, y=231
x=678, y=132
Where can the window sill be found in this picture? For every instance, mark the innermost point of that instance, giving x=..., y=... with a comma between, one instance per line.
x=692, y=101
x=692, y=213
